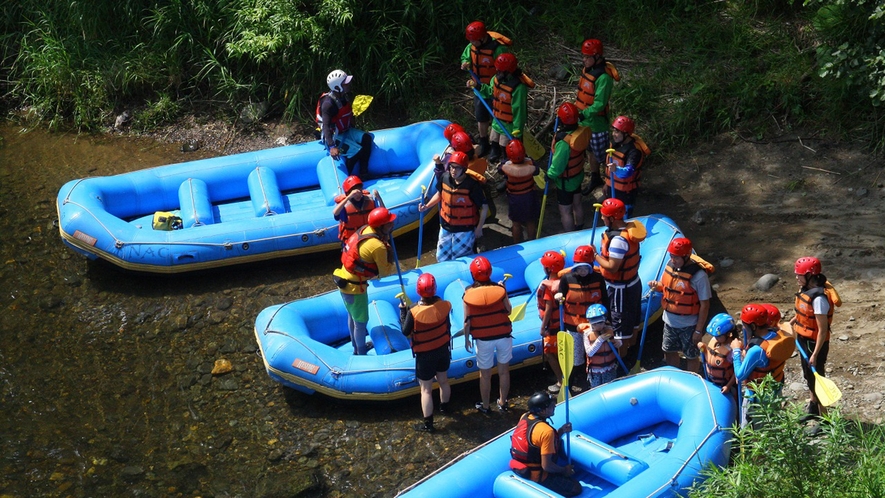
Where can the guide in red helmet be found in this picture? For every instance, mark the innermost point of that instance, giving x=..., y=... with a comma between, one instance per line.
x=479, y=57
x=352, y=208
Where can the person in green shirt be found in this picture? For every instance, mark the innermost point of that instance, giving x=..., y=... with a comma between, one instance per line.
x=479, y=58
x=508, y=90
x=594, y=92
x=567, y=166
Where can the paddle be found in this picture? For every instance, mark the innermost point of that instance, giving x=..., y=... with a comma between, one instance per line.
x=618, y=356
x=546, y=184
x=596, y=207
x=826, y=390
x=565, y=346
x=518, y=313
x=399, y=272
x=608, y=153
x=361, y=103
x=421, y=227
x=704, y=362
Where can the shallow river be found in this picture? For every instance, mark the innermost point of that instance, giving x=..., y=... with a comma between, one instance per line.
x=106, y=380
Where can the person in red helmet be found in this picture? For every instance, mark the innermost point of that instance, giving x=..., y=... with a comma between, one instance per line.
x=487, y=320
x=567, y=166
x=462, y=212
x=624, y=165
x=479, y=57
x=352, y=208
x=548, y=309
x=334, y=117
x=460, y=141
x=522, y=198
x=765, y=353
x=618, y=261
x=428, y=328
x=580, y=288
x=814, y=306
x=686, y=304
x=594, y=93
x=508, y=90
x=366, y=255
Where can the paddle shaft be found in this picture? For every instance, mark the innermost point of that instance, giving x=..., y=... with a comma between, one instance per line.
x=399, y=272
x=421, y=225
x=546, y=184
x=704, y=363
x=822, y=385
x=648, y=308
x=611, y=171
x=618, y=356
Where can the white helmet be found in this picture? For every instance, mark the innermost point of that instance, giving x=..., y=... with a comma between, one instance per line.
x=336, y=79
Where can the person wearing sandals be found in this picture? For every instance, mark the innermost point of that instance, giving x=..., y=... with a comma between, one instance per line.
x=487, y=319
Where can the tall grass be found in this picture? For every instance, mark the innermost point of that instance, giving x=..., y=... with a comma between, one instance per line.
x=782, y=458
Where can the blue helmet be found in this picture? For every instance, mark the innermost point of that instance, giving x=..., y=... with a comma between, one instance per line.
x=596, y=313
x=720, y=324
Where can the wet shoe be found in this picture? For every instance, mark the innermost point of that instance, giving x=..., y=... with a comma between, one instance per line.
x=444, y=407
x=480, y=409
x=503, y=406
x=576, y=389
x=555, y=388
x=422, y=427
x=812, y=411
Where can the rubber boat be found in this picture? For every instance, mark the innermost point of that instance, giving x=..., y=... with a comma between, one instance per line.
x=305, y=344
x=243, y=207
x=650, y=434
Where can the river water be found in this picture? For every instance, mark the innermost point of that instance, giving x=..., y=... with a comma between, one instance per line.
x=105, y=376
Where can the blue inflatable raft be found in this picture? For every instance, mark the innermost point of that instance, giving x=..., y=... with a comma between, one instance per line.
x=305, y=344
x=243, y=207
x=646, y=435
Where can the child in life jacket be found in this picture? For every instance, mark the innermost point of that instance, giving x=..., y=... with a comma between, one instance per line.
x=716, y=354
x=602, y=364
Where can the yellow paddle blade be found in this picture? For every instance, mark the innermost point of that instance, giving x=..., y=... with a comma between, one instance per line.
x=361, y=103
x=540, y=180
x=532, y=146
x=826, y=390
x=518, y=313
x=565, y=346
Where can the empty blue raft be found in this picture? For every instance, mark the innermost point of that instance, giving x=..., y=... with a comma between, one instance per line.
x=243, y=207
x=305, y=344
x=650, y=434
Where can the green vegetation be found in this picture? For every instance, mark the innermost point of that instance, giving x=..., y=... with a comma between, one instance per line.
x=780, y=458
x=697, y=68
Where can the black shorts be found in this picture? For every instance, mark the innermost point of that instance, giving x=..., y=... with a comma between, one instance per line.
x=480, y=111
x=430, y=362
x=564, y=197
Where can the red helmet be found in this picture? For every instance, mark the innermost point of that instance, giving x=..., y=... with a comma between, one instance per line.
x=774, y=314
x=352, y=182
x=624, y=124
x=552, y=262
x=755, y=314
x=380, y=216
x=584, y=254
x=458, y=158
x=680, y=246
x=506, y=63
x=591, y=46
x=515, y=151
x=461, y=142
x=475, y=31
x=451, y=129
x=426, y=285
x=568, y=113
x=613, y=208
x=481, y=269
x=806, y=265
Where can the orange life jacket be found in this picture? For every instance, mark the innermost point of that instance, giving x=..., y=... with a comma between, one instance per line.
x=431, y=325
x=502, y=101
x=578, y=141
x=553, y=286
x=351, y=259
x=806, y=323
x=456, y=206
x=579, y=297
x=778, y=351
x=482, y=59
x=680, y=298
x=719, y=370
x=587, y=87
x=486, y=314
x=343, y=119
x=604, y=357
x=517, y=185
x=630, y=266
x=356, y=216
x=477, y=167
x=618, y=159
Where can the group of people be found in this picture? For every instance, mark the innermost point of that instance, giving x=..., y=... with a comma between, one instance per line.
x=597, y=299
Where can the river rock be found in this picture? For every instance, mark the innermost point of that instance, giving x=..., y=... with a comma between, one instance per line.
x=700, y=217
x=222, y=366
x=228, y=384
x=558, y=72
x=872, y=398
x=767, y=281
x=725, y=262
